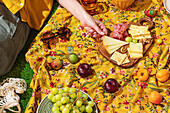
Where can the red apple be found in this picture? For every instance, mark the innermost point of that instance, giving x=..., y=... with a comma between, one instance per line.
x=56, y=64
x=84, y=70
x=111, y=85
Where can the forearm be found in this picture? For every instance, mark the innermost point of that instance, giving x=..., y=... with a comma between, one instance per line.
x=74, y=7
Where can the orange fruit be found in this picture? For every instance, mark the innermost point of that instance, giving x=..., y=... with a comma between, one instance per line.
x=142, y=74
x=155, y=97
x=162, y=75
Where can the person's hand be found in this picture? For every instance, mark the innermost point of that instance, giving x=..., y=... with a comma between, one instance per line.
x=94, y=27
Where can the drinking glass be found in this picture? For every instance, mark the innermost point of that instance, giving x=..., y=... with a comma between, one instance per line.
x=89, y=5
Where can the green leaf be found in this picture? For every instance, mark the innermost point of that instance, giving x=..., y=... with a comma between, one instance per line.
x=156, y=89
x=152, y=84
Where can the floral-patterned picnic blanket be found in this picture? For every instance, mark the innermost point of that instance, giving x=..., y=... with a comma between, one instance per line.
x=134, y=94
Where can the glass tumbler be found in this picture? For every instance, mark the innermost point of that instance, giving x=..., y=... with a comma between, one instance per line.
x=89, y=5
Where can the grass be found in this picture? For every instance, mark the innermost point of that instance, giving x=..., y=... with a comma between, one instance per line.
x=21, y=68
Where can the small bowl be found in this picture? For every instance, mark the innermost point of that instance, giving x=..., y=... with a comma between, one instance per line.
x=123, y=4
x=165, y=5
x=46, y=105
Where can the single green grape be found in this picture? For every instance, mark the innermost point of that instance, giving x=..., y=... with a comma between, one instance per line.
x=55, y=104
x=69, y=106
x=82, y=108
x=79, y=103
x=62, y=107
x=63, y=100
x=61, y=91
x=65, y=110
x=58, y=96
x=58, y=103
x=73, y=95
x=85, y=97
x=91, y=103
x=50, y=96
x=80, y=94
x=56, y=112
x=76, y=111
x=66, y=89
x=54, y=99
x=159, y=41
x=72, y=90
x=54, y=91
x=135, y=41
x=89, y=109
x=56, y=108
x=68, y=99
x=128, y=39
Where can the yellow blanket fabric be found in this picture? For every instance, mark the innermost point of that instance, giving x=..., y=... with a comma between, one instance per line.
x=34, y=12
x=133, y=95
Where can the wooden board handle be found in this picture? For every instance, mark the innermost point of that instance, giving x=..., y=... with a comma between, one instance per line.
x=140, y=22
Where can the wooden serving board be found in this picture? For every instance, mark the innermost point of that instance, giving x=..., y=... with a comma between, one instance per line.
x=133, y=61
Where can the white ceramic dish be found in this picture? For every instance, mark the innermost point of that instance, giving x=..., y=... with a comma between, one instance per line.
x=45, y=105
x=167, y=5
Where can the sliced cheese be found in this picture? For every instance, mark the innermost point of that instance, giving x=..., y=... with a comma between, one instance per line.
x=138, y=32
x=113, y=48
x=134, y=55
x=138, y=27
x=118, y=57
x=107, y=41
x=142, y=37
x=136, y=48
x=112, y=44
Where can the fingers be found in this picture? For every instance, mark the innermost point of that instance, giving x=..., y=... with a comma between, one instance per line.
x=94, y=34
x=103, y=28
x=96, y=28
x=100, y=28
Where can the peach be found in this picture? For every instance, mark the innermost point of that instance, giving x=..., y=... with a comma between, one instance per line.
x=155, y=97
x=162, y=75
x=142, y=74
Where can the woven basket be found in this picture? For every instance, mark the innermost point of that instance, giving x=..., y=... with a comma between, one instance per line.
x=123, y=4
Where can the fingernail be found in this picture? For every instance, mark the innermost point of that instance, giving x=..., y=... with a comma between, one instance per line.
x=91, y=30
x=102, y=33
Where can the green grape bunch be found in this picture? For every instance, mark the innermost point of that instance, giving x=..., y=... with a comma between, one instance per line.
x=70, y=100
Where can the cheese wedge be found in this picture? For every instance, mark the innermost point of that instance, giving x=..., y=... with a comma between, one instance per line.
x=118, y=57
x=113, y=48
x=136, y=48
x=112, y=44
x=107, y=41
